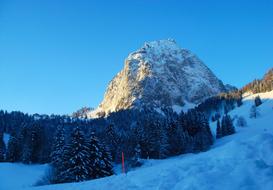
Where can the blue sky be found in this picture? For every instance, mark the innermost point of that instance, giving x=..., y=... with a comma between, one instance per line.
x=59, y=55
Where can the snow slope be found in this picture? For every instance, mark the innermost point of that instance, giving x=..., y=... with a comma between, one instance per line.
x=241, y=161
x=18, y=176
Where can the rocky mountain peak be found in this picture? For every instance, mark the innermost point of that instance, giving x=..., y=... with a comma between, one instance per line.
x=159, y=74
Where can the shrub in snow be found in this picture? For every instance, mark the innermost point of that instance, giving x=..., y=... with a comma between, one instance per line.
x=254, y=112
x=241, y=122
x=47, y=178
x=239, y=102
x=258, y=101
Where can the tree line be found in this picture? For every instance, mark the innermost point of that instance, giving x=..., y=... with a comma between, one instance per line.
x=138, y=134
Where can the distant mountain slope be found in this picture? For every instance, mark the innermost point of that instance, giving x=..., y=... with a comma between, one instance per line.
x=159, y=74
x=260, y=85
x=227, y=101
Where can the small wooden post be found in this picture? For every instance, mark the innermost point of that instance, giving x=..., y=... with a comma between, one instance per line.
x=123, y=167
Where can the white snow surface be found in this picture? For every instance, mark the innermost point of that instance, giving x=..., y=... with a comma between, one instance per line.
x=6, y=139
x=243, y=161
x=15, y=176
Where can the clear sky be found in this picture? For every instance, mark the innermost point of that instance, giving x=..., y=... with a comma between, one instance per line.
x=59, y=55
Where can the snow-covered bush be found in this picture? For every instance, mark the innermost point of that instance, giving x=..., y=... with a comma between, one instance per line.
x=47, y=178
x=254, y=112
x=241, y=122
x=258, y=101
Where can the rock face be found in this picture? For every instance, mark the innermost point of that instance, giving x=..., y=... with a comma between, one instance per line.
x=159, y=74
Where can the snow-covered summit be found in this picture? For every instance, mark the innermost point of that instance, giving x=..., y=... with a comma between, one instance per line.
x=159, y=74
x=158, y=51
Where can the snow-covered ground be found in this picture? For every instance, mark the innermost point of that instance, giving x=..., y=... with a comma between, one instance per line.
x=18, y=176
x=241, y=161
x=6, y=139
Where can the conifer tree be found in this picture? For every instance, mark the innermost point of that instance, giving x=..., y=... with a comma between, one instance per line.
x=224, y=126
x=162, y=141
x=2, y=147
x=156, y=140
x=35, y=143
x=26, y=154
x=76, y=158
x=218, y=130
x=227, y=126
x=106, y=167
x=230, y=126
x=100, y=159
x=239, y=102
x=257, y=101
x=13, y=149
x=57, y=153
x=136, y=162
x=113, y=141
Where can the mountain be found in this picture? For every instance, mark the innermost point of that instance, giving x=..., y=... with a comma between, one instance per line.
x=82, y=113
x=159, y=74
x=230, y=88
x=260, y=85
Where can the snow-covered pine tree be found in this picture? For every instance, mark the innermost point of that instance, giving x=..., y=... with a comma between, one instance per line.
x=26, y=154
x=99, y=158
x=198, y=128
x=13, y=149
x=112, y=141
x=227, y=126
x=106, y=162
x=58, y=147
x=218, y=130
x=224, y=126
x=156, y=140
x=136, y=160
x=23, y=140
x=76, y=159
x=139, y=136
x=175, y=138
x=203, y=137
x=230, y=126
x=183, y=141
x=30, y=150
x=36, y=142
x=187, y=142
x=2, y=147
x=57, y=153
x=162, y=141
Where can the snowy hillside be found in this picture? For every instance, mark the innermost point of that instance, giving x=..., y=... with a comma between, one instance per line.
x=240, y=161
x=157, y=75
